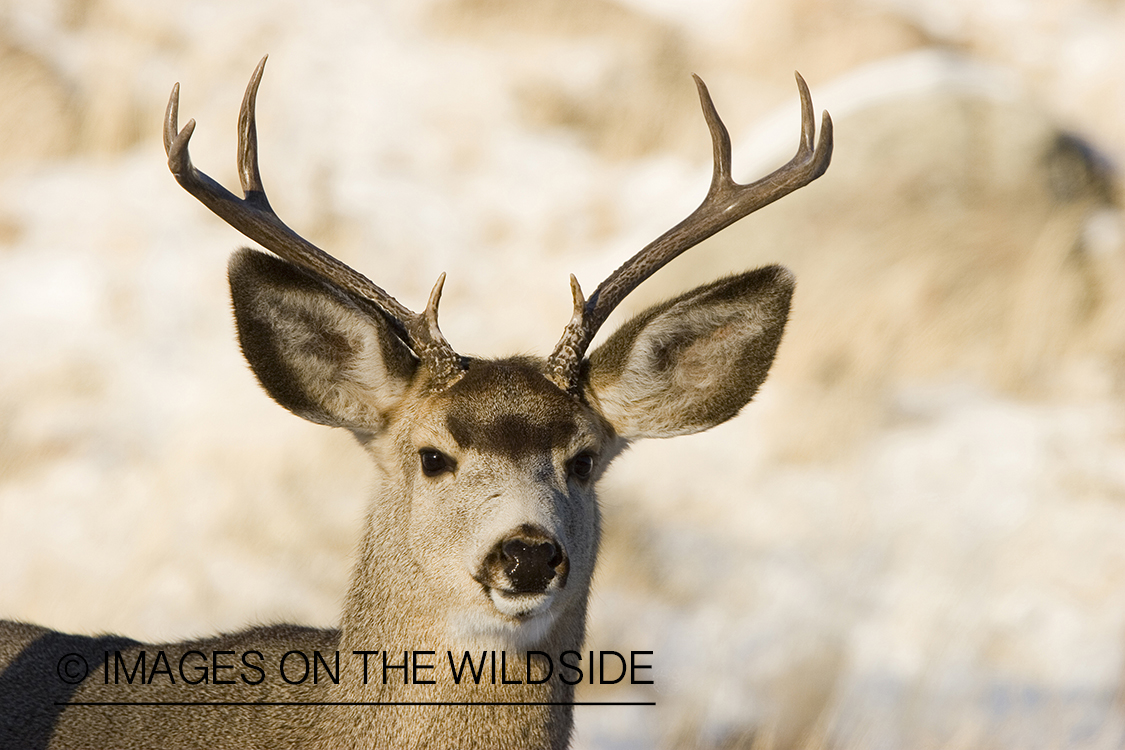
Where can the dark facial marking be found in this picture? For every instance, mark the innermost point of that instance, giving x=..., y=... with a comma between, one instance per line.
x=509, y=408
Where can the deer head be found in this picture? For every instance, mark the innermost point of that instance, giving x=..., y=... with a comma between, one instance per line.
x=485, y=525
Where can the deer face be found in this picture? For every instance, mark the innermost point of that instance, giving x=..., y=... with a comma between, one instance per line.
x=500, y=468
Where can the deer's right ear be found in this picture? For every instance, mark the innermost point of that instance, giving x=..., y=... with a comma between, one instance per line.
x=313, y=348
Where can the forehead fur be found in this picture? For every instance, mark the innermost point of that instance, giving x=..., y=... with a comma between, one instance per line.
x=509, y=407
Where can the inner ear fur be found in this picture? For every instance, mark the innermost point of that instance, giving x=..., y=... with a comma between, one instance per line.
x=317, y=351
x=692, y=362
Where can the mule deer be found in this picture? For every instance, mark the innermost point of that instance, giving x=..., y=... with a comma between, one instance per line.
x=480, y=542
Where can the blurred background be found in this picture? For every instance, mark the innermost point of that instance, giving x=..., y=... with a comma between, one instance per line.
x=914, y=537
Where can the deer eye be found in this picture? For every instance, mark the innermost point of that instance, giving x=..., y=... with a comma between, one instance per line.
x=434, y=462
x=582, y=466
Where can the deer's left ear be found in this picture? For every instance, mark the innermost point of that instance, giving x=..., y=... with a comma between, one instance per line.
x=693, y=362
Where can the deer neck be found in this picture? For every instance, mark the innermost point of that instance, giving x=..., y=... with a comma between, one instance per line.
x=390, y=614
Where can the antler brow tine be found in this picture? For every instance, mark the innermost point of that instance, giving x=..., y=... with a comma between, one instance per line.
x=253, y=217
x=725, y=203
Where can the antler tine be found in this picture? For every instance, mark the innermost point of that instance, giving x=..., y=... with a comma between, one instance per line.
x=253, y=217
x=725, y=203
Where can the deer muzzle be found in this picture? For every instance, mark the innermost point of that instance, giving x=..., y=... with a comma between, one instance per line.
x=523, y=570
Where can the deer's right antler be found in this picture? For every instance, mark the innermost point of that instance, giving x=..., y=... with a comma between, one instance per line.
x=725, y=203
x=253, y=217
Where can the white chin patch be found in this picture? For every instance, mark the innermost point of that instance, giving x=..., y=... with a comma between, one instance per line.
x=522, y=606
x=522, y=621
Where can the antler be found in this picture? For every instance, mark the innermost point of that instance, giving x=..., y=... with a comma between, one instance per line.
x=253, y=217
x=726, y=202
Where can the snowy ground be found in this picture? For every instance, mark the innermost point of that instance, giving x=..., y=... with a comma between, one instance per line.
x=914, y=537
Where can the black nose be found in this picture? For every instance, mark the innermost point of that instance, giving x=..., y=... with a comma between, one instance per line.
x=526, y=561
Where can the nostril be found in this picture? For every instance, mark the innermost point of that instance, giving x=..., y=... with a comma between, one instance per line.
x=513, y=549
